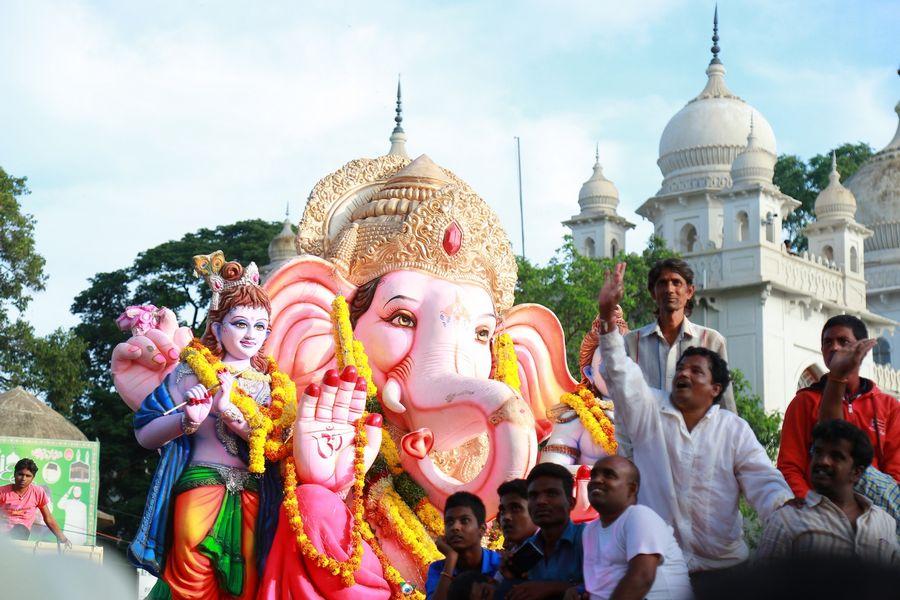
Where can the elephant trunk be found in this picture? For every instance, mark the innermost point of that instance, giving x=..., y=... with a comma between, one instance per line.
x=454, y=409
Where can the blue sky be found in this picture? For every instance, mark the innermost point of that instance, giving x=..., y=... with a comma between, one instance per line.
x=138, y=122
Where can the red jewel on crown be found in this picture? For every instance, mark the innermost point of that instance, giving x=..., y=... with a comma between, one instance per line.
x=452, y=241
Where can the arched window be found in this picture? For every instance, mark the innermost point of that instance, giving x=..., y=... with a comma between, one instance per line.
x=854, y=260
x=688, y=238
x=881, y=354
x=590, y=248
x=742, y=226
x=614, y=248
x=828, y=253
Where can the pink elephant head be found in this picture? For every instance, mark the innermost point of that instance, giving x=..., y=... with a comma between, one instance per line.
x=428, y=274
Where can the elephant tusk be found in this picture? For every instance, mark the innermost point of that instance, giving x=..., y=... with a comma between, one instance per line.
x=390, y=396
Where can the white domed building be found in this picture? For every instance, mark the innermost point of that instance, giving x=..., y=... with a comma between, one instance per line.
x=598, y=230
x=876, y=187
x=719, y=208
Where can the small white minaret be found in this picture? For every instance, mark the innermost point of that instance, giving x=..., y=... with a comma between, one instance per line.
x=598, y=231
x=835, y=235
x=398, y=136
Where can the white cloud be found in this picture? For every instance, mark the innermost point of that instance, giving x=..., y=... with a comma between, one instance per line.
x=136, y=125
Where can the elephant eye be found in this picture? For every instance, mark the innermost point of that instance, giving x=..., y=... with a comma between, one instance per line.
x=402, y=319
x=483, y=334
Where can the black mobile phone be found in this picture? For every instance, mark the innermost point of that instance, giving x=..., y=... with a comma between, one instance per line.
x=524, y=558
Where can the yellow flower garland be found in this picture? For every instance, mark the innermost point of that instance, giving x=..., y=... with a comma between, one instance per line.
x=593, y=418
x=345, y=569
x=206, y=367
x=506, y=364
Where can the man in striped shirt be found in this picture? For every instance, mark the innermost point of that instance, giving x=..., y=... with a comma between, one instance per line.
x=833, y=520
x=657, y=347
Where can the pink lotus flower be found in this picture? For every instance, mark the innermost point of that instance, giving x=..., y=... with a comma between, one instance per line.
x=139, y=319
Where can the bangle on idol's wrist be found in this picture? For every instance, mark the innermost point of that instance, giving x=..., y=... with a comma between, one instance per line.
x=233, y=414
x=188, y=427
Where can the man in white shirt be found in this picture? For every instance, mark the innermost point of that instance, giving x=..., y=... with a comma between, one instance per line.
x=629, y=552
x=658, y=346
x=696, y=459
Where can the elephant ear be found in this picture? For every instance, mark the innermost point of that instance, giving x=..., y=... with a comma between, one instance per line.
x=301, y=293
x=541, y=351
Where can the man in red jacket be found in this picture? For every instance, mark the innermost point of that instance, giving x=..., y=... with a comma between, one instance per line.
x=844, y=344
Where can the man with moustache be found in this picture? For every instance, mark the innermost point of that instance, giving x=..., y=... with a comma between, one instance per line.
x=629, y=552
x=658, y=346
x=696, y=459
x=515, y=522
x=833, y=520
x=550, y=500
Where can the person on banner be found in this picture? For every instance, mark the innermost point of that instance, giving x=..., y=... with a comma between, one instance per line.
x=20, y=502
x=658, y=346
x=695, y=459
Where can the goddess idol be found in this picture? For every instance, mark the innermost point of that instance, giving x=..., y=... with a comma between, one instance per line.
x=206, y=509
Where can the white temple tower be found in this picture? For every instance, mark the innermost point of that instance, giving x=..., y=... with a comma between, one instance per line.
x=598, y=231
x=719, y=208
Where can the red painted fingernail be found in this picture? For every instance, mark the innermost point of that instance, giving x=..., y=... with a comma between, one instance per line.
x=173, y=354
x=374, y=420
x=312, y=390
x=361, y=384
x=331, y=378
x=584, y=472
x=349, y=373
x=159, y=359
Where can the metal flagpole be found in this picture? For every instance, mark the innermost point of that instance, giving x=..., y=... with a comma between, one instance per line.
x=521, y=207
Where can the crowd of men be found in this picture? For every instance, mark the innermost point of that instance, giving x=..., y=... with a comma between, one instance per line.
x=669, y=524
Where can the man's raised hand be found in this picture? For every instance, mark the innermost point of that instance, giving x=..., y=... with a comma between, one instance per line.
x=612, y=292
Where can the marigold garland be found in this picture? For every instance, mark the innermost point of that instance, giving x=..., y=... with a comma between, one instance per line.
x=345, y=569
x=592, y=417
x=506, y=365
x=262, y=421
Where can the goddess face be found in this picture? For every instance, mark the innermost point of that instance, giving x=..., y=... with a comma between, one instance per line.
x=243, y=331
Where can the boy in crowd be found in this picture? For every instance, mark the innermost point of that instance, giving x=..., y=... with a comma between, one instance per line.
x=559, y=566
x=515, y=522
x=464, y=526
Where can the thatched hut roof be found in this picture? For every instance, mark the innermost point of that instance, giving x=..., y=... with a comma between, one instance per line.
x=23, y=415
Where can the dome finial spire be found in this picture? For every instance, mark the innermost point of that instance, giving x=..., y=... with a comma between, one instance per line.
x=399, y=110
x=715, y=38
x=287, y=210
x=398, y=136
x=597, y=154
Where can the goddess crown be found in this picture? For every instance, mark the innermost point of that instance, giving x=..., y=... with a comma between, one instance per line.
x=422, y=218
x=209, y=267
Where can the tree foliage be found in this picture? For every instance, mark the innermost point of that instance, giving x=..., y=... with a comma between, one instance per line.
x=50, y=366
x=163, y=276
x=804, y=180
x=569, y=283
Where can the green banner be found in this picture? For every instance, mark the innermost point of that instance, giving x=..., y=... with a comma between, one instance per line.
x=69, y=471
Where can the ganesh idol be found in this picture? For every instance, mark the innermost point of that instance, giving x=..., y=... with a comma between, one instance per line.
x=405, y=275
x=205, y=511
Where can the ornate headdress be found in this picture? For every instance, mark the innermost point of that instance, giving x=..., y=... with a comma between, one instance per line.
x=422, y=218
x=209, y=267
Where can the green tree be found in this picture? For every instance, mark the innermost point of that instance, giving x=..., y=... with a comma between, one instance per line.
x=163, y=276
x=50, y=366
x=804, y=180
x=569, y=283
